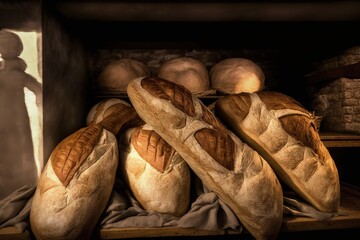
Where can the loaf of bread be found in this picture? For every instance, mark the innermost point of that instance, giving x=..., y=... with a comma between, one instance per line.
x=235, y=75
x=117, y=74
x=283, y=132
x=77, y=181
x=111, y=108
x=227, y=166
x=156, y=174
x=188, y=72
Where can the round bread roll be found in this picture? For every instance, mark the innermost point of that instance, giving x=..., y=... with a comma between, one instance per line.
x=235, y=75
x=158, y=177
x=188, y=72
x=116, y=75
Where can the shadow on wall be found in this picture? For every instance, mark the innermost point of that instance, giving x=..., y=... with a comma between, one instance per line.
x=20, y=111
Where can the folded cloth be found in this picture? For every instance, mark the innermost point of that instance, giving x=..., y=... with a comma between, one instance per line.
x=207, y=212
x=296, y=207
x=15, y=208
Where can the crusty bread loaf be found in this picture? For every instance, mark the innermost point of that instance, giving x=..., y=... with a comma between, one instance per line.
x=188, y=72
x=113, y=111
x=105, y=108
x=116, y=75
x=235, y=75
x=283, y=132
x=77, y=181
x=72, y=191
x=227, y=166
x=156, y=174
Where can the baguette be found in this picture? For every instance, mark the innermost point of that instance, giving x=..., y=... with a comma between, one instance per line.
x=283, y=132
x=227, y=166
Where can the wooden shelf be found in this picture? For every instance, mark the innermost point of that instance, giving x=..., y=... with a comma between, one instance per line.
x=209, y=10
x=337, y=139
x=12, y=233
x=117, y=233
x=351, y=71
x=349, y=206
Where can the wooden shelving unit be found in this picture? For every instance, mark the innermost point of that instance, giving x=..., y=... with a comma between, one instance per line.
x=349, y=209
x=348, y=71
x=349, y=219
x=336, y=139
x=96, y=15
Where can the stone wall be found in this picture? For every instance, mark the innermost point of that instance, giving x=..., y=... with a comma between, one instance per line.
x=339, y=104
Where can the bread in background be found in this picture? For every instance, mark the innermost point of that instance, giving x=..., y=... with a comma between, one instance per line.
x=115, y=76
x=188, y=72
x=235, y=75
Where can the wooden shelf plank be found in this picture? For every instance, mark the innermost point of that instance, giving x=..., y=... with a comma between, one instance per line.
x=117, y=233
x=209, y=11
x=341, y=143
x=339, y=136
x=349, y=71
x=349, y=205
x=350, y=199
x=336, y=139
x=12, y=233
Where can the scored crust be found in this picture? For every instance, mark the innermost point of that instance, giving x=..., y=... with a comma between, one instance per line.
x=152, y=148
x=157, y=175
x=68, y=212
x=70, y=153
x=283, y=132
x=246, y=183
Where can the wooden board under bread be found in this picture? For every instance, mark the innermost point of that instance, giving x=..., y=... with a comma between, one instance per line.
x=349, y=204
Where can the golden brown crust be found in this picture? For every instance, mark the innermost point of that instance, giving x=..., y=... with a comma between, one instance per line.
x=246, y=183
x=188, y=72
x=209, y=118
x=178, y=95
x=218, y=145
x=216, y=142
x=239, y=103
x=72, y=152
x=116, y=75
x=298, y=126
x=283, y=131
x=277, y=100
x=119, y=115
x=152, y=148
